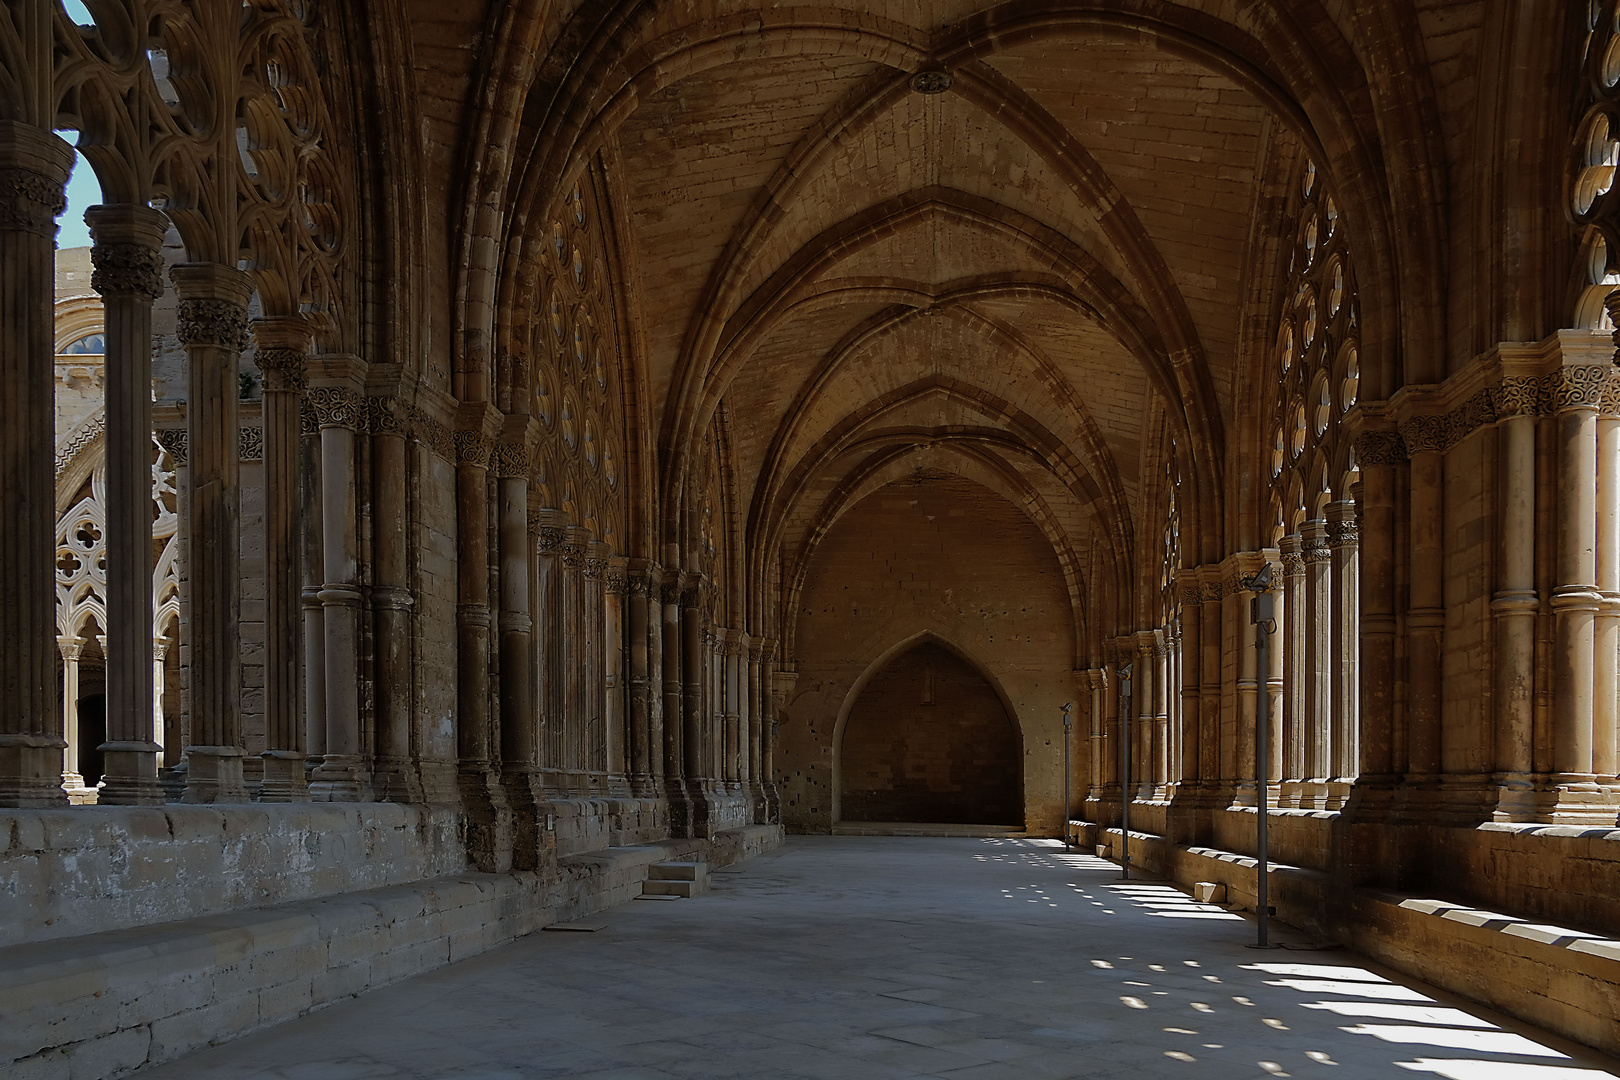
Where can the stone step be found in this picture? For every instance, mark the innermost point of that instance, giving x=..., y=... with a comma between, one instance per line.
x=676, y=879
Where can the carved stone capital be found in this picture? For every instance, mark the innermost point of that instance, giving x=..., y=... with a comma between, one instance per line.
x=1425, y=434
x=385, y=416
x=548, y=539
x=432, y=434
x=1573, y=388
x=1343, y=534
x=511, y=459
x=284, y=369
x=669, y=593
x=1192, y=595
x=1518, y=395
x=335, y=406
x=1380, y=448
x=615, y=581
x=30, y=201
x=1293, y=564
x=127, y=269
x=218, y=323
x=595, y=569
x=1214, y=591
x=473, y=448
x=1314, y=549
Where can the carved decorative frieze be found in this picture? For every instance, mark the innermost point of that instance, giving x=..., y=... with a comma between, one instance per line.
x=432, y=434
x=127, y=269
x=615, y=581
x=1214, y=591
x=335, y=406
x=173, y=440
x=691, y=597
x=250, y=444
x=30, y=201
x=1192, y=595
x=217, y=323
x=1314, y=549
x=283, y=369
x=88, y=432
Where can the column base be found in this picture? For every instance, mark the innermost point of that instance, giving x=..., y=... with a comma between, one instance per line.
x=1575, y=799
x=284, y=780
x=131, y=776
x=398, y=780
x=31, y=770
x=533, y=842
x=340, y=778
x=486, y=818
x=1371, y=798
x=214, y=775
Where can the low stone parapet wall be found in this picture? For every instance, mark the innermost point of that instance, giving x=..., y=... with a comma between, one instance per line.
x=101, y=1005
x=91, y=868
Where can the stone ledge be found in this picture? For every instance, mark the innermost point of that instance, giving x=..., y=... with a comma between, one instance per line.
x=101, y=1005
x=1565, y=980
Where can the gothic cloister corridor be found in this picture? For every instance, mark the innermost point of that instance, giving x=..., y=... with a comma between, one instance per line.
x=464, y=465
x=849, y=958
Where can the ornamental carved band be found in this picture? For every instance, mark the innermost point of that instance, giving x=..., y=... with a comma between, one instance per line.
x=669, y=594
x=1572, y=388
x=1293, y=564
x=1192, y=595
x=594, y=569
x=1343, y=534
x=615, y=582
x=124, y=269
x=548, y=539
x=30, y=201
x=217, y=323
x=1213, y=591
x=1315, y=550
x=283, y=369
x=335, y=407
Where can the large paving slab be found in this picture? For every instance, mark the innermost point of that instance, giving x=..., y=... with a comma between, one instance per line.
x=847, y=958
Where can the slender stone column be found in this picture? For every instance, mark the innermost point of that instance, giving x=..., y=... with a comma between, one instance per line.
x=1343, y=540
x=655, y=678
x=1381, y=453
x=1516, y=602
x=213, y=328
x=731, y=654
x=1099, y=746
x=672, y=640
x=519, y=758
x=397, y=776
x=1290, y=643
x=283, y=348
x=310, y=596
x=694, y=675
x=770, y=708
x=1426, y=615
x=639, y=738
x=756, y=722
x=34, y=166
x=1191, y=688
x=342, y=775
x=71, y=649
x=615, y=714
x=1575, y=395
x=1209, y=691
x=1147, y=675
x=1163, y=691
x=1318, y=728
x=598, y=749
x=548, y=636
x=129, y=277
x=1606, y=630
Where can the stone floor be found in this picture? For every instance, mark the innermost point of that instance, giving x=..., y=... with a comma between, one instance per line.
x=848, y=958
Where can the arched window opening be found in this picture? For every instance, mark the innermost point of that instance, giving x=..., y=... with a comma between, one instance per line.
x=1593, y=206
x=1313, y=480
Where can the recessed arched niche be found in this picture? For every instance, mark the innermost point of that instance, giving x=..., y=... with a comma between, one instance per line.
x=930, y=740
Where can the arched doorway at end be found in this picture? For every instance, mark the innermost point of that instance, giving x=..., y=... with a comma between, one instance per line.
x=929, y=739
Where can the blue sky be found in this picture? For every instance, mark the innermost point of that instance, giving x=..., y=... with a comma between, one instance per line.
x=83, y=191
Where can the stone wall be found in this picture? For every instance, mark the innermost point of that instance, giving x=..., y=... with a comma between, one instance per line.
x=940, y=557
x=929, y=740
